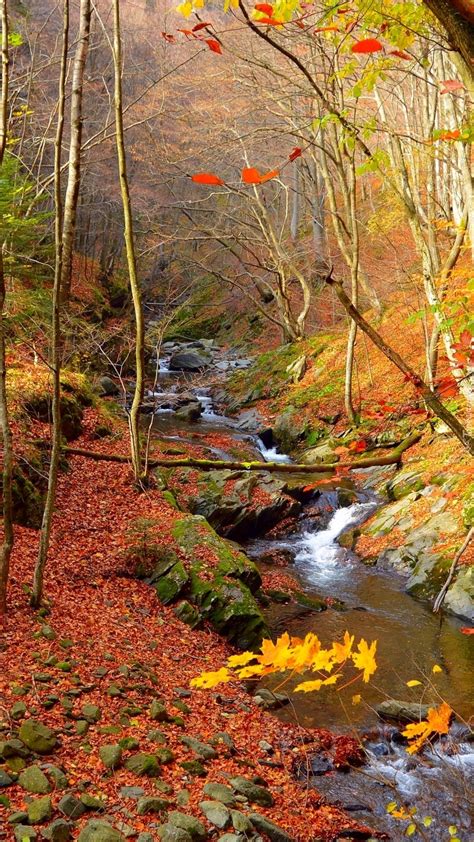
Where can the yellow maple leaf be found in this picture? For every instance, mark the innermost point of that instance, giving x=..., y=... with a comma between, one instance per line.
x=210, y=679
x=276, y=655
x=241, y=660
x=437, y=722
x=304, y=652
x=342, y=651
x=309, y=686
x=364, y=659
x=254, y=669
x=439, y=718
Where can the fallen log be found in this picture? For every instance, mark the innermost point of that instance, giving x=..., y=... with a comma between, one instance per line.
x=392, y=458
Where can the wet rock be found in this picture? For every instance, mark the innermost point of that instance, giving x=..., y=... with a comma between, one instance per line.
x=34, y=780
x=37, y=737
x=99, y=831
x=219, y=792
x=380, y=749
x=288, y=430
x=216, y=813
x=322, y=454
x=188, y=361
x=71, y=806
x=39, y=810
x=110, y=755
x=190, y=412
x=279, y=556
x=5, y=779
x=402, y=711
x=459, y=599
x=191, y=825
x=170, y=586
x=268, y=700
x=252, y=792
x=273, y=831
x=188, y=614
x=321, y=764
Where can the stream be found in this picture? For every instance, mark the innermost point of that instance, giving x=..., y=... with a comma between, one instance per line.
x=411, y=639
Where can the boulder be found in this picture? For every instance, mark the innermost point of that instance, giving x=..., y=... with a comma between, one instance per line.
x=172, y=583
x=5, y=779
x=216, y=813
x=57, y=831
x=459, y=599
x=111, y=755
x=39, y=810
x=71, y=806
x=268, y=700
x=402, y=711
x=91, y=713
x=170, y=833
x=143, y=764
x=108, y=387
x=219, y=792
x=188, y=361
x=288, y=430
x=202, y=750
x=99, y=831
x=37, y=737
x=22, y=832
x=34, y=780
x=191, y=825
x=158, y=712
x=252, y=792
x=322, y=454
x=274, y=833
x=151, y=804
x=190, y=412
x=188, y=614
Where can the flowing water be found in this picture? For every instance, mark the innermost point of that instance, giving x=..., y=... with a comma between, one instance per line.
x=410, y=640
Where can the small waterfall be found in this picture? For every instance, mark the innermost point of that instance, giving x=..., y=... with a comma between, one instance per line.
x=319, y=551
x=271, y=454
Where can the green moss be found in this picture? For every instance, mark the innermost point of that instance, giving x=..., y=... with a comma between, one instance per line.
x=468, y=507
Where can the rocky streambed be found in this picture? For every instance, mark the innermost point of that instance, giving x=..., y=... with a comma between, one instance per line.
x=289, y=528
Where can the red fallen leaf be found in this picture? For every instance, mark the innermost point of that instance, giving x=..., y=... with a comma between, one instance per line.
x=451, y=85
x=465, y=339
x=358, y=446
x=297, y=151
x=170, y=38
x=266, y=8
x=332, y=28
x=250, y=175
x=201, y=26
x=206, y=178
x=466, y=630
x=368, y=45
x=400, y=54
x=214, y=45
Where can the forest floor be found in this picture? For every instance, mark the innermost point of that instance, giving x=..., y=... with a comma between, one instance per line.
x=107, y=641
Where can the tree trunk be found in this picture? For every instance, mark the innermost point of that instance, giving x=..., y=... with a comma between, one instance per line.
x=74, y=166
x=425, y=392
x=458, y=21
x=60, y=235
x=7, y=472
x=134, y=416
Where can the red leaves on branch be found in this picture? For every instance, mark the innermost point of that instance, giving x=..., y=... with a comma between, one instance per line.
x=400, y=54
x=449, y=86
x=250, y=175
x=449, y=134
x=358, y=446
x=170, y=38
x=465, y=348
x=368, y=45
x=200, y=26
x=466, y=630
x=265, y=8
x=270, y=21
x=447, y=386
x=206, y=178
x=297, y=151
x=332, y=28
x=214, y=45
x=188, y=32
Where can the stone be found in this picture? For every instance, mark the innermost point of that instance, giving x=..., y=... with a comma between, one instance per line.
x=269, y=700
x=19, y=817
x=188, y=614
x=82, y=727
x=145, y=837
x=5, y=779
x=151, y=804
x=194, y=767
x=240, y=822
x=219, y=792
x=71, y=807
x=91, y=713
x=191, y=825
x=57, y=831
x=322, y=454
x=190, y=412
x=22, y=832
x=143, y=764
x=231, y=837
x=13, y=748
x=34, y=780
x=188, y=361
x=39, y=810
x=459, y=599
x=274, y=833
x=48, y=632
x=165, y=755
x=18, y=710
x=252, y=792
x=110, y=755
x=59, y=777
x=156, y=736
x=37, y=737
x=91, y=802
x=134, y=792
x=107, y=387
x=172, y=583
x=203, y=750
x=158, y=712
x=170, y=833
x=15, y=764
x=402, y=711
x=99, y=831
x=216, y=813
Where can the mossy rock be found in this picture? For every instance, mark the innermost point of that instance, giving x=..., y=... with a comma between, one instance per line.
x=403, y=484
x=170, y=586
x=188, y=614
x=468, y=507
x=27, y=498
